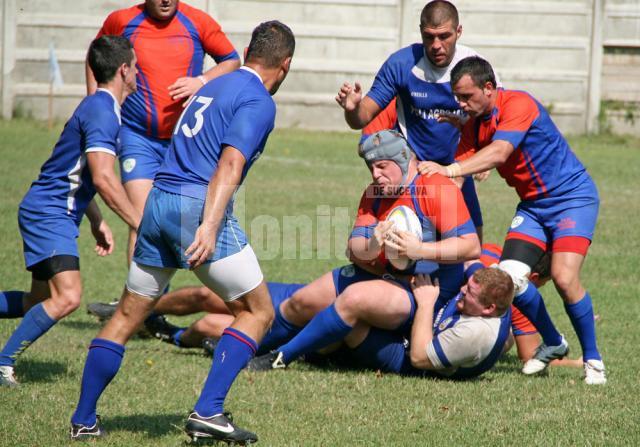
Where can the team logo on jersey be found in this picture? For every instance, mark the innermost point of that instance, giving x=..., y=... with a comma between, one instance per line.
x=447, y=321
x=128, y=165
x=348, y=271
x=517, y=221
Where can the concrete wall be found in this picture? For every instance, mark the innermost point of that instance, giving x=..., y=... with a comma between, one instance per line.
x=552, y=49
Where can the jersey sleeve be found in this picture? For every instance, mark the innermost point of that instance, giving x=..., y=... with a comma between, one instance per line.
x=386, y=119
x=516, y=117
x=366, y=219
x=456, y=346
x=214, y=41
x=467, y=145
x=442, y=203
x=100, y=126
x=385, y=84
x=251, y=125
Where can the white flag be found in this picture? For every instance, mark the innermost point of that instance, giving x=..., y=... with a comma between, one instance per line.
x=55, y=77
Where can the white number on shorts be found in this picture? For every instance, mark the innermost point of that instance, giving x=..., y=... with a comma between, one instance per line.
x=191, y=132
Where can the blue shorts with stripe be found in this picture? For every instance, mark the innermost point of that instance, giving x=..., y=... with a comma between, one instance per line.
x=168, y=228
x=140, y=155
x=551, y=218
x=46, y=235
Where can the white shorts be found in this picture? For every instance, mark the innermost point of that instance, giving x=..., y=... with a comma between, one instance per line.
x=230, y=277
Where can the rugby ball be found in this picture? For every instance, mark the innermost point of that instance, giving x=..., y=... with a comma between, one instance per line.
x=404, y=219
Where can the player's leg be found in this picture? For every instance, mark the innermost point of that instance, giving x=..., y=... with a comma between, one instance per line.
x=137, y=191
x=303, y=305
x=238, y=279
x=144, y=284
x=209, y=326
x=470, y=195
x=65, y=287
x=378, y=303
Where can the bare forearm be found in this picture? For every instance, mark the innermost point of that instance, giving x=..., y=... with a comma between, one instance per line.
x=92, y=85
x=93, y=213
x=363, y=250
x=115, y=197
x=220, y=190
x=421, y=336
x=489, y=157
x=222, y=68
x=451, y=250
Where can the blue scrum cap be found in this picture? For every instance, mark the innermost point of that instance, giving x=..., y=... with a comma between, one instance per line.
x=387, y=145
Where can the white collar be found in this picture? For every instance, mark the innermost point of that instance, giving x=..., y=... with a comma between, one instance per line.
x=100, y=89
x=251, y=70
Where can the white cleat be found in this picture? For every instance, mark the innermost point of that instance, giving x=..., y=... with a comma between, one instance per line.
x=544, y=354
x=594, y=372
x=7, y=377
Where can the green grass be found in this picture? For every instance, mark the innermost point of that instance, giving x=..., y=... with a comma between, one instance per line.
x=158, y=384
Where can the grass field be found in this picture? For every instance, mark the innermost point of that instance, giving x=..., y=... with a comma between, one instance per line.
x=315, y=179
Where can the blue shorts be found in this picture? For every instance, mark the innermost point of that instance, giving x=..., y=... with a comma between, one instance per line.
x=140, y=155
x=168, y=228
x=551, y=218
x=46, y=235
x=280, y=291
x=471, y=200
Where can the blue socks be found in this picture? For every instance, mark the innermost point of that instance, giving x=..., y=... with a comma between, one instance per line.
x=11, y=304
x=35, y=323
x=103, y=363
x=530, y=303
x=324, y=329
x=233, y=352
x=281, y=331
x=581, y=316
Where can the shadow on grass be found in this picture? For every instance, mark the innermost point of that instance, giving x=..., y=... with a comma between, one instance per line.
x=80, y=325
x=156, y=425
x=30, y=370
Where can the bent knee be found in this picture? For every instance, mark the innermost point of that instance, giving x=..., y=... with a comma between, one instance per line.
x=66, y=303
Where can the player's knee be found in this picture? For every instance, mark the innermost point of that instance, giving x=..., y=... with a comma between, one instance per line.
x=67, y=302
x=302, y=306
x=353, y=300
x=519, y=272
x=565, y=280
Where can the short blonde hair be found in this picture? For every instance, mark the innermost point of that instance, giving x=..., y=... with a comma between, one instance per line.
x=496, y=288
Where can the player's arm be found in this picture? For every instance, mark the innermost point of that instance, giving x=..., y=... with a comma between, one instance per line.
x=100, y=230
x=92, y=84
x=358, y=111
x=186, y=86
x=425, y=294
x=108, y=185
x=221, y=187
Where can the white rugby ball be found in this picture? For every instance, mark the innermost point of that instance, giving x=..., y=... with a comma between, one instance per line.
x=404, y=219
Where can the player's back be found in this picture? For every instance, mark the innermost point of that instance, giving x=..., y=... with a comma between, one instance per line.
x=232, y=110
x=65, y=186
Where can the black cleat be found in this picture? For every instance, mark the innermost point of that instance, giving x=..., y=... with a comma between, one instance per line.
x=218, y=428
x=159, y=327
x=81, y=432
x=267, y=362
x=104, y=311
x=209, y=345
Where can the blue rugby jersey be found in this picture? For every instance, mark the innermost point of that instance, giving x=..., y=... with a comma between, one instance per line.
x=232, y=110
x=65, y=186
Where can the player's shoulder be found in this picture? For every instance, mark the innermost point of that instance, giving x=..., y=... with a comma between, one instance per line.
x=100, y=109
x=463, y=51
x=408, y=55
x=516, y=101
x=434, y=180
x=124, y=15
x=199, y=16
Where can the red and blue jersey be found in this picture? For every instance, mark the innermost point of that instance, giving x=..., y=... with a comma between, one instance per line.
x=166, y=51
x=65, y=186
x=436, y=200
x=542, y=164
x=385, y=120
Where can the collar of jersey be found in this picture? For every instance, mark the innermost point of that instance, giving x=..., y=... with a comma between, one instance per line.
x=100, y=89
x=251, y=70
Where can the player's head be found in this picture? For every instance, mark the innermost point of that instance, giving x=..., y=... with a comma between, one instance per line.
x=388, y=157
x=541, y=272
x=110, y=57
x=440, y=29
x=474, y=84
x=161, y=9
x=272, y=46
x=488, y=293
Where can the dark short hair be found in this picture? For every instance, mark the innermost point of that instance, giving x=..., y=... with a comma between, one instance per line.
x=479, y=69
x=438, y=12
x=107, y=54
x=271, y=43
x=496, y=288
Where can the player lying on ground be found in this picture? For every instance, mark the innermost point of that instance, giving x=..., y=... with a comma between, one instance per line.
x=49, y=216
x=511, y=131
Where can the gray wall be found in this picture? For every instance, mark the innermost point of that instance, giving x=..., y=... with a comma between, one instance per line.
x=552, y=49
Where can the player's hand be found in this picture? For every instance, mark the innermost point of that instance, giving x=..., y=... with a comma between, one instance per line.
x=425, y=291
x=349, y=96
x=381, y=231
x=455, y=120
x=184, y=88
x=429, y=168
x=104, y=238
x=203, y=245
x=482, y=176
x=406, y=244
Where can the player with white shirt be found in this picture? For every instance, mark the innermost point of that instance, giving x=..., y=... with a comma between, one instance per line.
x=82, y=163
